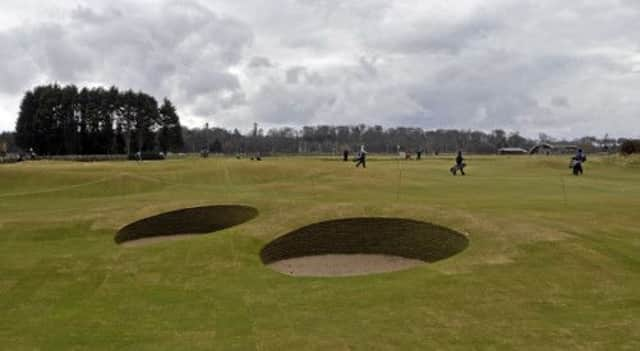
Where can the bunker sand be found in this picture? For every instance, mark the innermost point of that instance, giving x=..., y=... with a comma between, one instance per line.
x=360, y=246
x=186, y=222
x=343, y=265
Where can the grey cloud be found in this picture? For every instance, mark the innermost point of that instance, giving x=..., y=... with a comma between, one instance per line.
x=280, y=104
x=88, y=15
x=200, y=83
x=44, y=50
x=559, y=101
x=368, y=64
x=496, y=89
x=293, y=74
x=260, y=62
x=336, y=95
x=426, y=36
x=301, y=74
x=179, y=49
x=529, y=65
x=234, y=99
x=313, y=40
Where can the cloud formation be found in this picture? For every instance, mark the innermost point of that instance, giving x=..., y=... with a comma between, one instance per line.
x=181, y=50
x=565, y=69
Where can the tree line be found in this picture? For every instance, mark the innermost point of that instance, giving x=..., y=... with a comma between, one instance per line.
x=65, y=120
x=335, y=139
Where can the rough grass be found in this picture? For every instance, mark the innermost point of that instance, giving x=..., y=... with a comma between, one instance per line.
x=553, y=263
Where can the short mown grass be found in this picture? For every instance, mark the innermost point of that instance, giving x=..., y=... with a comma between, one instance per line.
x=552, y=263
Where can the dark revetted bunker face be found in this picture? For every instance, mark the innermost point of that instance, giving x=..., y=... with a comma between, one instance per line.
x=359, y=240
x=197, y=220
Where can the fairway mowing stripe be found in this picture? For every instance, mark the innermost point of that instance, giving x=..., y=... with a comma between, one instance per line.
x=107, y=274
x=399, y=184
x=102, y=180
x=227, y=178
x=148, y=178
x=227, y=175
x=517, y=177
x=202, y=186
x=252, y=321
x=564, y=191
x=234, y=256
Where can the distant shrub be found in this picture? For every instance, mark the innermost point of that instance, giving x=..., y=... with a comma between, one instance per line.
x=85, y=158
x=112, y=157
x=629, y=147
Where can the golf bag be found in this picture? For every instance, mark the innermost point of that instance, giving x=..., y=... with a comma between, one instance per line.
x=458, y=167
x=361, y=160
x=576, y=164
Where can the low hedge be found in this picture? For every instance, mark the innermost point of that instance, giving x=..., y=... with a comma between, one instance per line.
x=629, y=147
x=84, y=158
x=148, y=156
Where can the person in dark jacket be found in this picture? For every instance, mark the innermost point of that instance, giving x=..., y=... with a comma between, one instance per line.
x=459, y=166
x=577, y=161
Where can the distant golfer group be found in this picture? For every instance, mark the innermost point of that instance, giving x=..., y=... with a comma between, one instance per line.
x=576, y=164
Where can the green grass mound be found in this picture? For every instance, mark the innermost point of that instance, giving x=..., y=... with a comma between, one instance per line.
x=196, y=220
x=372, y=236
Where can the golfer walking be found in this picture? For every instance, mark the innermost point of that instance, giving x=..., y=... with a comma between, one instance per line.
x=362, y=157
x=459, y=166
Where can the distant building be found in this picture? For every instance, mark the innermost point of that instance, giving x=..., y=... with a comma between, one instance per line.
x=541, y=149
x=512, y=151
x=567, y=148
x=553, y=149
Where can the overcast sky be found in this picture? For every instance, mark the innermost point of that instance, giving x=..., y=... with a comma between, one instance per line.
x=565, y=68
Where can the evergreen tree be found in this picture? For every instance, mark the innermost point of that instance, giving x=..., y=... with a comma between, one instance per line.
x=65, y=120
x=25, y=125
x=170, y=134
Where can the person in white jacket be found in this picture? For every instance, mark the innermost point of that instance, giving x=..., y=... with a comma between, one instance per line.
x=362, y=157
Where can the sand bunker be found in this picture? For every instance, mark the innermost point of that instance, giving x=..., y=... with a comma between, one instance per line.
x=359, y=246
x=183, y=223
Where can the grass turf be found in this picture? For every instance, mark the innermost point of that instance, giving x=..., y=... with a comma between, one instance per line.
x=552, y=261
